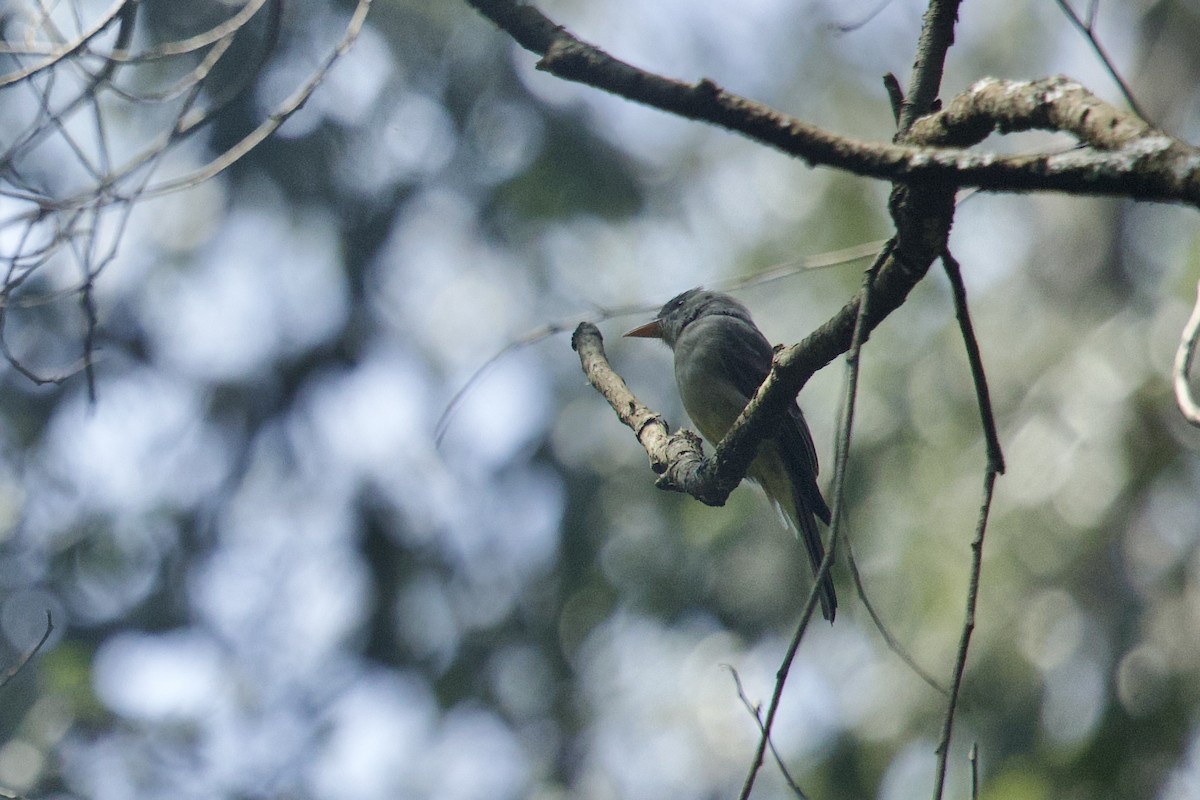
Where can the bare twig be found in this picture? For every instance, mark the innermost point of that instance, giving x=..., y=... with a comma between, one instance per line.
x=1183, y=365
x=960, y=662
x=995, y=456
x=849, y=27
x=86, y=227
x=526, y=339
x=993, y=468
x=837, y=506
x=973, y=758
x=755, y=710
x=891, y=85
x=222, y=31
x=681, y=449
x=1088, y=28
x=277, y=117
x=71, y=48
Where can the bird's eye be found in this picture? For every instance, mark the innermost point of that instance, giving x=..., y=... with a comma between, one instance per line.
x=673, y=305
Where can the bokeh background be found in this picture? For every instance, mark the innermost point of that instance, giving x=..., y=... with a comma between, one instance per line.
x=269, y=581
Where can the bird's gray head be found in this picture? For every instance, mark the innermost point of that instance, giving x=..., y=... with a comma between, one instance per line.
x=683, y=309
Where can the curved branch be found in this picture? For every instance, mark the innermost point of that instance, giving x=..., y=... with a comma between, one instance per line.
x=118, y=9
x=221, y=30
x=1183, y=365
x=1052, y=104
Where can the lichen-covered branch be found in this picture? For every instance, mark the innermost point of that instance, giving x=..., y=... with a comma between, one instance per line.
x=1148, y=166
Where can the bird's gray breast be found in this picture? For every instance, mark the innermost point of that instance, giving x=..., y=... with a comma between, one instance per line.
x=704, y=353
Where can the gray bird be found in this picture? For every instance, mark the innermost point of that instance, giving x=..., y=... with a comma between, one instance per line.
x=721, y=357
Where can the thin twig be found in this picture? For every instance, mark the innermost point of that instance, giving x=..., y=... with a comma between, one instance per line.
x=841, y=457
x=890, y=640
x=973, y=758
x=891, y=85
x=70, y=48
x=127, y=13
x=81, y=224
x=277, y=117
x=220, y=31
x=526, y=339
x=995, y=455
x=849, y=27
x=994, y=467
x=960, y=661
x=1088, y=28
x=193, y=77
x=651, y=429
x=755, y=710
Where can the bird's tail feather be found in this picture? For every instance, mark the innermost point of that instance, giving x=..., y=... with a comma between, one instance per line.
x=797, y=515
x=805, y=525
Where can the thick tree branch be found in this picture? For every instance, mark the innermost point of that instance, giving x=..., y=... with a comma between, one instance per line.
x=1152, y=166
x=1053, y=104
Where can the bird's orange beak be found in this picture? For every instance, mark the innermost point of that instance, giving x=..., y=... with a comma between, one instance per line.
x=651, y=330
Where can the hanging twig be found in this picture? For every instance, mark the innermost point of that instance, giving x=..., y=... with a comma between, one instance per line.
x=960, y=661
x=891, y=641
x=994, y=467
x=995, y=456
x=755, y=710
x=973, y=758
x=837, y=495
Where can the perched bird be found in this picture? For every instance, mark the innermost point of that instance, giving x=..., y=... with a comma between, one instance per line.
x=721, y=357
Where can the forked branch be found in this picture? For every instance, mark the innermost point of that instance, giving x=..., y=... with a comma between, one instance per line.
x=1147, y=166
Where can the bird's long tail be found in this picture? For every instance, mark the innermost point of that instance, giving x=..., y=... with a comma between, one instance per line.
x=805, y=525
x=799, y=515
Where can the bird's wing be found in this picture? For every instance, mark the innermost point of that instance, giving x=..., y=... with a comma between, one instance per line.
x=747, y=360
x=801, y=456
